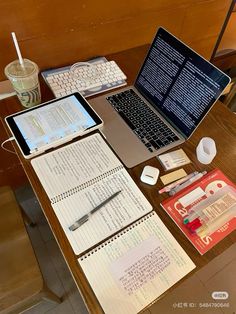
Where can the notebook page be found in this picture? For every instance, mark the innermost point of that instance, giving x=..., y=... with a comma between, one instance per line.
x=74, y=164
x=125, y=208
x=130, y=271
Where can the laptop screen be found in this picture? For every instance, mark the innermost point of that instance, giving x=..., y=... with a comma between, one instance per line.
x=178, y=82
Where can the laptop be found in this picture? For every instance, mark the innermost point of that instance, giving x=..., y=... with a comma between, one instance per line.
x=174, y=90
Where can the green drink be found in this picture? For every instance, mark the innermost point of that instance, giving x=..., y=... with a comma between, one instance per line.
x=24, y=79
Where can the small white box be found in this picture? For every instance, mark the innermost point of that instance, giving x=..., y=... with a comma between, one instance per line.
x=150, y=175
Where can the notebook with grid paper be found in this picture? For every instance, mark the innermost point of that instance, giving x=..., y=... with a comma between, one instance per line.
x=173, y=92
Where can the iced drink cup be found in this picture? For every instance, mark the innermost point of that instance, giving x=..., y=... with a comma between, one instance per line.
x=24, y=79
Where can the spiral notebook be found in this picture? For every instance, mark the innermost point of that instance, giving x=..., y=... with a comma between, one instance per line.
x=80, y=176
x=133, y=268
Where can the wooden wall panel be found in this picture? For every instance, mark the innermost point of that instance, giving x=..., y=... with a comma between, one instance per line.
x=58, y=32
x=201, y=22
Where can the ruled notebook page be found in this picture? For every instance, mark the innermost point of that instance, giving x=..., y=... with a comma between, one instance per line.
x=70, y=166
x=131, y=270
x=79, y=177
x=125, y=208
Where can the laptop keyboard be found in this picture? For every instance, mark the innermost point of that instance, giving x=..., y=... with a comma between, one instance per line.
x=146, y=125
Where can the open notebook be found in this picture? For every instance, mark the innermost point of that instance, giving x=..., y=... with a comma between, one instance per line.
x=133, y=268
x=81, y=175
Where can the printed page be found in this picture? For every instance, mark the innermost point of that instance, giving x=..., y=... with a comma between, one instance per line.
x=72, y=165
x=125, y=208
x=136, y=267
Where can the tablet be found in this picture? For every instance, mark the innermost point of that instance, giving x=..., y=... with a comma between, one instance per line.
x=53, y=123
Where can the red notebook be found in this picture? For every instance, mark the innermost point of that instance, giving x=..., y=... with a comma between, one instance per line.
x=179, y=205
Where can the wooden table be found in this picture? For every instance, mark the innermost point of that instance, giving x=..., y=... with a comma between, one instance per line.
x=220, y=124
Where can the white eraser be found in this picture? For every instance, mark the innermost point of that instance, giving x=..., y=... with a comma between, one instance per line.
x=150, y=175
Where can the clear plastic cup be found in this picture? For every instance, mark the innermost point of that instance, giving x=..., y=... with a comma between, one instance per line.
x=206, y=150
x=25, y=81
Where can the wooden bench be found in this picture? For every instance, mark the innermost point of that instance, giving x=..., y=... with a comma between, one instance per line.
x=21, y=282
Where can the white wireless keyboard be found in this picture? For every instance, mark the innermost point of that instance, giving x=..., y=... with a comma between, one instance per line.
x=88, y=78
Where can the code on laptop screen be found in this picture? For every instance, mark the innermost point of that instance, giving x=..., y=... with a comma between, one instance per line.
x=179, y=83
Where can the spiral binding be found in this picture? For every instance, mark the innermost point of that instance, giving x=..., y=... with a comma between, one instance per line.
x=81, y=187
x=118, y=235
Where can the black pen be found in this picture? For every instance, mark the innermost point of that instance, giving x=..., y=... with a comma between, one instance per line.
x=85, y=218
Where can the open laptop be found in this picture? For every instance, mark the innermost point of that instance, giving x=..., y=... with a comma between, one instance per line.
x=173, y=92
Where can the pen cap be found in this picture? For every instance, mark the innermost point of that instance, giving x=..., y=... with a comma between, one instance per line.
x=206, y=150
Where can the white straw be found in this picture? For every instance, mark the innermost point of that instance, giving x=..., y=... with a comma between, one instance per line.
x=17, y=48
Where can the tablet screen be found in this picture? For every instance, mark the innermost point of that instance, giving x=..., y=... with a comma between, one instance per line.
x=50, y=122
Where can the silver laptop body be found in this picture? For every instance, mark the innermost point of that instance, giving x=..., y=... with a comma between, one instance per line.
x=123, y=139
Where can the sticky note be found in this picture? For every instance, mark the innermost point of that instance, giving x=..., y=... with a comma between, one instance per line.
x=173, y=176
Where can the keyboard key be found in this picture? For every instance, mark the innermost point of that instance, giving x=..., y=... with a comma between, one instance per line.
x=130, y=124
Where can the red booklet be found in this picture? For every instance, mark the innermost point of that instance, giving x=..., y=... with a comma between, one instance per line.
x=179, y=205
